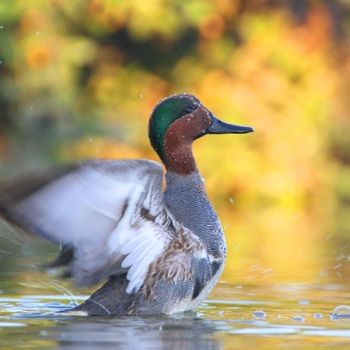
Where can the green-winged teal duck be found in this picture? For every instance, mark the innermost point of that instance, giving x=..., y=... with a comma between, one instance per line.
x=160, y=252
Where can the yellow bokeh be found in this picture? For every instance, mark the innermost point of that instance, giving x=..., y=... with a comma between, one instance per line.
x=79, y=80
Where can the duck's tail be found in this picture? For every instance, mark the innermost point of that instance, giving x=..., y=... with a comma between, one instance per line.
x=110, y=300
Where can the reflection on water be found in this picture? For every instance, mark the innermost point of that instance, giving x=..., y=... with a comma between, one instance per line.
x=261, y=317
x=251, y=308
x=186, y=332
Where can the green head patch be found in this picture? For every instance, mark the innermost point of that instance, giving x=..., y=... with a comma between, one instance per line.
x=165, y=113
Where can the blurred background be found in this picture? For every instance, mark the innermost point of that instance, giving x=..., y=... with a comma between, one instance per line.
x=79, y=79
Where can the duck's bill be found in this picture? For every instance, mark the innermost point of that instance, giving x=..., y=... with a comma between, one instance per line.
x=219, y=127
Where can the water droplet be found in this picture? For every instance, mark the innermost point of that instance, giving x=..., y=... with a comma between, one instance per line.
x=340, y=257
x=37, y=33
x=317, y=315
x=304, y=302
x=255, y=267
x=341, y=311
x=90, y=139
x=259, y=314
x=1, y=27
x=329, y=236
x=231, y=200
x=141, y=95
x=0, y=61
x=298, y=318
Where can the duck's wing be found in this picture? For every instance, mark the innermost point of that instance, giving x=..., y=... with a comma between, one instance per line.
x=111, y=213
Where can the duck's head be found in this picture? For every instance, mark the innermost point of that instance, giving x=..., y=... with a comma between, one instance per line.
x=176, y=122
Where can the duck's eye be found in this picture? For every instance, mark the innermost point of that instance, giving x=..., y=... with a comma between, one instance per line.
x=190, y=108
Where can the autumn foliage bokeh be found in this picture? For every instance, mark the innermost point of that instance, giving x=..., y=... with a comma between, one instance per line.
x=78, y=79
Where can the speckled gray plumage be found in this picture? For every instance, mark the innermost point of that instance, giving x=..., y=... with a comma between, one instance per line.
x=186, y=198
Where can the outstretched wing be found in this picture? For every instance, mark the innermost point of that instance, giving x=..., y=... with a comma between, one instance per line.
x=110, y=212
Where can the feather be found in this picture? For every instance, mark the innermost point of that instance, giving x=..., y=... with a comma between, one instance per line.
x=96, y=209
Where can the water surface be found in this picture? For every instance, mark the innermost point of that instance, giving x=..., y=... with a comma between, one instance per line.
x=252, y=311
x=235, y=316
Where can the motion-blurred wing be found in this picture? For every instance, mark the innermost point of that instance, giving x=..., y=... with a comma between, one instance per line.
x=111, y=212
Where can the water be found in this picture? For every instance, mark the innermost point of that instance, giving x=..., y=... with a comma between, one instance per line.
x=251, y=317
x=249, y=309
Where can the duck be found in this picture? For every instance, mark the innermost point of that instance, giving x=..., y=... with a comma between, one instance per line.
x=153, y=250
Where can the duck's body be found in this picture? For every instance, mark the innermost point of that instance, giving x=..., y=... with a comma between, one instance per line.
x=188, y=267
x=161, y=252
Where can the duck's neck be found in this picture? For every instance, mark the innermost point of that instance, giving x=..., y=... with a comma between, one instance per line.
x=177, y=146
x=187, y=200
x=178, y=153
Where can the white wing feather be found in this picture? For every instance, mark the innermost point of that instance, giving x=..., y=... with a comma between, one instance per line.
x=98, y=210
